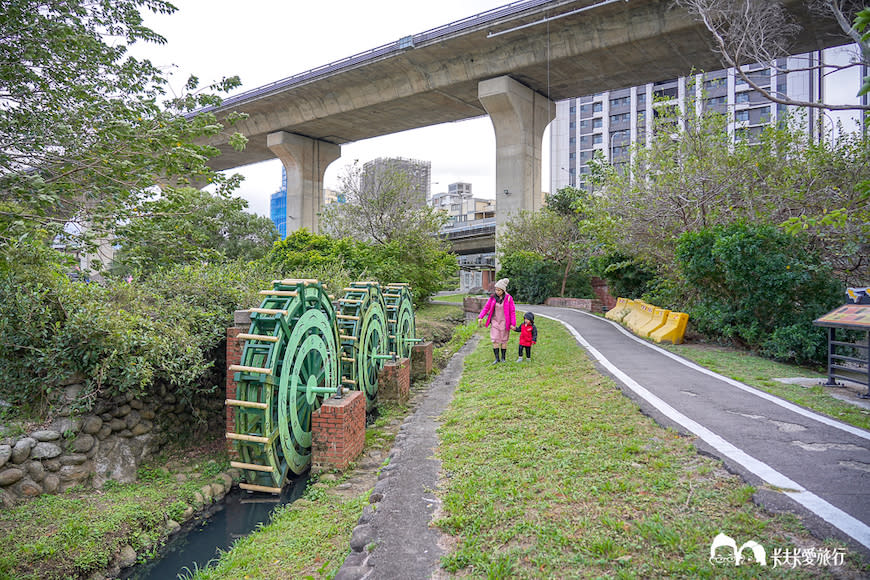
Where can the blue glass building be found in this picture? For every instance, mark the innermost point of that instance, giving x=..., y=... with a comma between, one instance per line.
x=278, y=206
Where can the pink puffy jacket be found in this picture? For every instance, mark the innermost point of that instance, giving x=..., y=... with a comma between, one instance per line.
x=510, y=313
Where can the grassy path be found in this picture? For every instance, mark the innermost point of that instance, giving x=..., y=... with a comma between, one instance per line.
x=552, y=473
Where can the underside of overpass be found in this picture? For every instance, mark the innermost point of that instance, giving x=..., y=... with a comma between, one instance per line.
x=511, y=63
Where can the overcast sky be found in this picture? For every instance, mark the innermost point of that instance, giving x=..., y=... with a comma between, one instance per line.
x=266, y=40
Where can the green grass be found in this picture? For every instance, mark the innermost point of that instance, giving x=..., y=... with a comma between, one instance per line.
x=553, y=473
x=78, y=532
x=450, y=297
x=760, y=373
x=306, y=539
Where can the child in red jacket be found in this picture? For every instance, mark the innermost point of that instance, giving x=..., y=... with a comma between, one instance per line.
x=528, y=335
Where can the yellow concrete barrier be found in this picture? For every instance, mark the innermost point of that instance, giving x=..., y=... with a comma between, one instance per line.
x=673, y=330
x=658, y=319
x=644, y=315
x=633, y=313
x=619, y=311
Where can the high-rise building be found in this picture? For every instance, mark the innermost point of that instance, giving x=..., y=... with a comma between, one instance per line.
x=612, y=121
x=278, y=206
x=419, y=173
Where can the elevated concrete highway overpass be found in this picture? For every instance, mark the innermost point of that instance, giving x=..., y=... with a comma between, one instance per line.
x=510, y=63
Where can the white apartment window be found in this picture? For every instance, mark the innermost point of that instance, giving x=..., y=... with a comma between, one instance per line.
x=597, y=123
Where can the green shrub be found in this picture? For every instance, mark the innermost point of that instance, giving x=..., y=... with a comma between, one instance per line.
x=626, y=276
x=119, y=337
x=424, y=267
x=759, y=286
x=533, y=279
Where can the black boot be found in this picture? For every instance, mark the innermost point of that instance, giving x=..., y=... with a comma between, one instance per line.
x=495, y=352
x=504, y=355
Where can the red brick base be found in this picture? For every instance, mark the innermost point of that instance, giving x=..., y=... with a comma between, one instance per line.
x=338, y=432
x=421, y=360
x=394, y=381
x=602, y=291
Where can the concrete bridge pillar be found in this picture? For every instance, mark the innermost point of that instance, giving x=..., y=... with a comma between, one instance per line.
x=519, y=116
x=305, y=161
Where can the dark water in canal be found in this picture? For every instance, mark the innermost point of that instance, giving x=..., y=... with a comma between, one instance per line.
x=199, y=542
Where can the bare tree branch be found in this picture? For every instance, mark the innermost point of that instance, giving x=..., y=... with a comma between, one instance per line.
x=760, y=31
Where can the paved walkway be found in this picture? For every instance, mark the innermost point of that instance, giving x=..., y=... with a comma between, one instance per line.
x=821, y=466
x=800, y=461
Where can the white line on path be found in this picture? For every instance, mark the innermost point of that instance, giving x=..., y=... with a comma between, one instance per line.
x=758, y=393
x=849, y=525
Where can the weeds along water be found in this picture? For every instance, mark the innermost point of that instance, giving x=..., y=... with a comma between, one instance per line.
x=202, y=541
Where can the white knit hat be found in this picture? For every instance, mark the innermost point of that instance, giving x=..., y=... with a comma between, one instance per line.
x=502, y=284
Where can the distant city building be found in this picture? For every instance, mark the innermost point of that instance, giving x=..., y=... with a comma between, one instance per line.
x=470, y=218
x=612, y=121
x=332, y=196
x=419, y=173
x=460, y=205
x=278, y=206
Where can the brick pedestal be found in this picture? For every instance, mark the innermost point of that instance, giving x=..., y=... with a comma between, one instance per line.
x=234, y=356
x=394, y=381
x=421, y=360
x=602, y=291
x=338, y=432
x=474, y=304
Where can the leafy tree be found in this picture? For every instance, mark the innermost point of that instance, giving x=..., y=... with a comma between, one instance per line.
x=85, y=128
x=693, y=174
x=184, y=225
x=554, y=237
x=626, y=276
x=565, y=201
x=381, y=209
x=534, y=278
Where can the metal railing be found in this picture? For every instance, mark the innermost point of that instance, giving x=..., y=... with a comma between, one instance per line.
x=475, y=228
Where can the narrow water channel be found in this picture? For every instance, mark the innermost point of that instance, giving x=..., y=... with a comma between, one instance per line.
x=199, y=542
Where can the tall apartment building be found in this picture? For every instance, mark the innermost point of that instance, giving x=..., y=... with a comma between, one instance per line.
x=419, y=173
x=613, y=120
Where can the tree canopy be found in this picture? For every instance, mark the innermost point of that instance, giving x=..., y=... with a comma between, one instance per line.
x=85, y=128
x=381, y=209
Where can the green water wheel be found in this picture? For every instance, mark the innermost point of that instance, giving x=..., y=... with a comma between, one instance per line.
x=289, y=364
x=400, y=318
x=362, y=323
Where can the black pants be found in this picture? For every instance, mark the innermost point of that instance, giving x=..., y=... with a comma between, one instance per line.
x=528, y=351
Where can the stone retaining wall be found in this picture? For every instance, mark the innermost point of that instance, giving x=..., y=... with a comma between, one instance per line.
x=107, y=443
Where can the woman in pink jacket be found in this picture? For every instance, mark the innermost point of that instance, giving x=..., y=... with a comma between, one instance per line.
x=500, y=317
